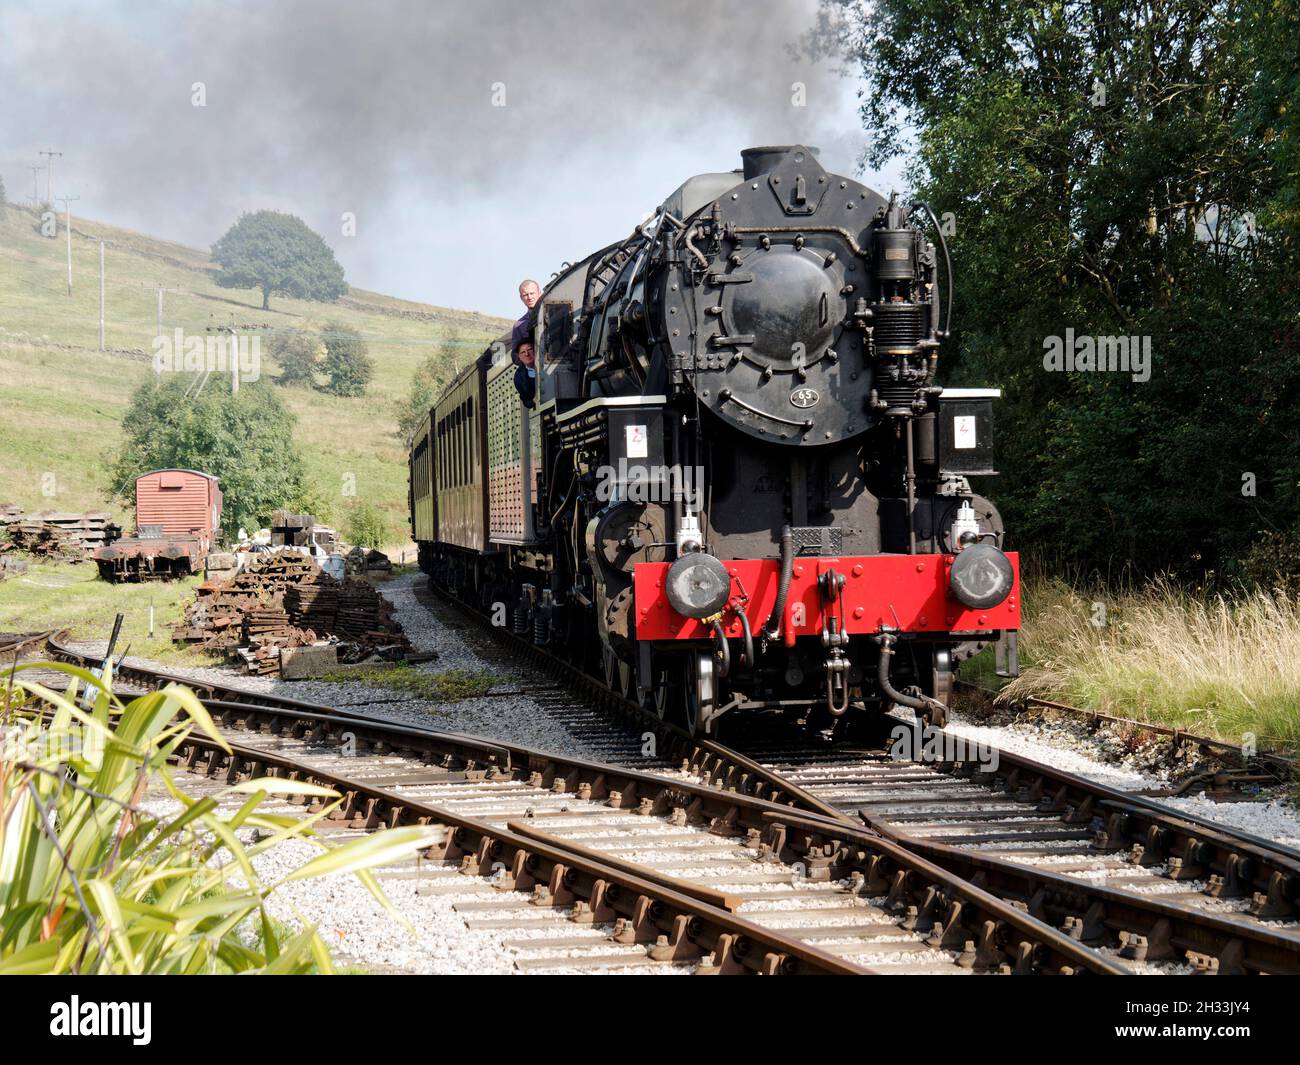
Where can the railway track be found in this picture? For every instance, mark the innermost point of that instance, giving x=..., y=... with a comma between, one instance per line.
x=1072, y=851
x=1238, y=765
x=506, y=809
x=1033, y=833
x=13, y=643
x=1011, y=834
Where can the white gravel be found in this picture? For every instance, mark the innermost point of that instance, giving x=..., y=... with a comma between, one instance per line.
x=1061, y=747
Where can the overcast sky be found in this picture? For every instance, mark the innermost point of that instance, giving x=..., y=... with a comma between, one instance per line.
x=392, y=111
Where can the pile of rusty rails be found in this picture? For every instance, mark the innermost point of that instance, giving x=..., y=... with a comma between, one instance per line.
x=993, y=913
x=1236, y=766
x=282, y=600
x=54, y=535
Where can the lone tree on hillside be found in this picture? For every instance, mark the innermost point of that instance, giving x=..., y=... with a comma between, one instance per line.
x=279, y=254
x=347, y=362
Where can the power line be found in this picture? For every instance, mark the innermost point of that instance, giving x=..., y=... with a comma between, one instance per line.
x=49, y=173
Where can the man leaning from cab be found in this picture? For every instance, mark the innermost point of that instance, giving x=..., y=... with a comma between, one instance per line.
x=521, y=343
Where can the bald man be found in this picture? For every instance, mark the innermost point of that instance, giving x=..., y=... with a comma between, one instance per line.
x=529, y=293
x=521, y=343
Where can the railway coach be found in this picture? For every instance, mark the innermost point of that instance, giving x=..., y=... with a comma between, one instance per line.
x=741, y=488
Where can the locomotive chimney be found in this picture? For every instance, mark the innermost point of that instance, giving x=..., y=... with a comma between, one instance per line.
x=759, y=161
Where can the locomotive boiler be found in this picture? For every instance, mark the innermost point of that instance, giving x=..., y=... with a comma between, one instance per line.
x=740, y=488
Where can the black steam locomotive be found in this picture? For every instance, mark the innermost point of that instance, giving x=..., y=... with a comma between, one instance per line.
x=740, y=488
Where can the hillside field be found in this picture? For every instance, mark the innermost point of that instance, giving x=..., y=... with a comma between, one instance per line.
x=62, y=400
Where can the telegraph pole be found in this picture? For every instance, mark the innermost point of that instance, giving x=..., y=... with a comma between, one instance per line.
x=233, y=329
x=67, y=225
x=101, y=293
x=49, y=173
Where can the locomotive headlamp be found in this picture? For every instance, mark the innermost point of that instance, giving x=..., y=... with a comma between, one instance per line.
x=981, y=576
x=697, y=585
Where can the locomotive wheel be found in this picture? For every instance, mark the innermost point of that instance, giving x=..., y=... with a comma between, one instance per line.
x=617, y=674
x=658, y=697
x=699, y=694
x=609, y=668
x=940, y=687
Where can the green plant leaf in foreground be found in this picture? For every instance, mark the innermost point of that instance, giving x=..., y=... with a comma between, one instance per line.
x=101, y=873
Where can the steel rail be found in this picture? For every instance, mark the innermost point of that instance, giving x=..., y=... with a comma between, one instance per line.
x=1242, y=866
x=989, y=933
x=674, y=925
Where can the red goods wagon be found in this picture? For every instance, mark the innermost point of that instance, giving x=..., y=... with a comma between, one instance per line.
x=177, y=517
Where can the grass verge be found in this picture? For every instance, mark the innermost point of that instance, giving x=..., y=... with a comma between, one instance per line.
x=71, y=596
x=448, y=686
x=1218, y=666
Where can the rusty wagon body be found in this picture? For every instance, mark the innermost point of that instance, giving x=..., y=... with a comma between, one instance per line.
x=177, y=517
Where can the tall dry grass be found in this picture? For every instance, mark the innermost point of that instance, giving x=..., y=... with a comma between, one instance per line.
x=1218, y=666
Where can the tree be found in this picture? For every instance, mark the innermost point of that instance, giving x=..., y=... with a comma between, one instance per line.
x=279, y=254
x=4, y=200
x=1104, y=166
x=367, y=525
x=298, y=355
x=244, y=440
x=439, y=366
x=347, y=362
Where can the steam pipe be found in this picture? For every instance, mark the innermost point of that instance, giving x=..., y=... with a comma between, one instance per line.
x=947, y=261
x=724, y=650
x=690, y=246
x=748, y=660
x=911, y=491
x=772, y=630
x=916, y=702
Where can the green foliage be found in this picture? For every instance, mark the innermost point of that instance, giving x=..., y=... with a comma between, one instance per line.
x=4, y=199
x=298, y=355
x=312, y=498
x=100, y=877
x=1102, y=167
x=244, y=440
x=347, y=364
x=447, y=686
x=279, y=254
x=437, y=369
x=367, y=525
x=1273, y=564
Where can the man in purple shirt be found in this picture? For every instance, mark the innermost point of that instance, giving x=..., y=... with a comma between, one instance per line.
x=521, y=336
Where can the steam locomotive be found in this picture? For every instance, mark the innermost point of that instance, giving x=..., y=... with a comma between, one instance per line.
x=740, y=488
